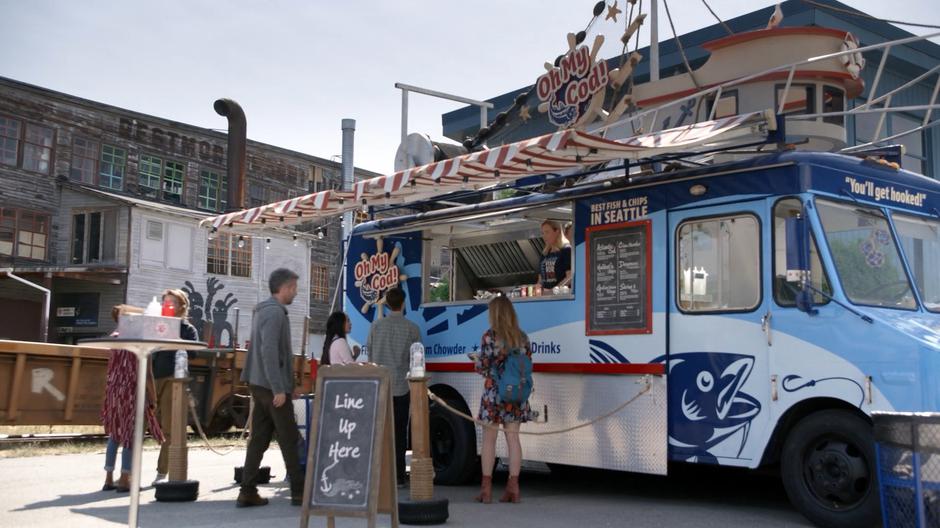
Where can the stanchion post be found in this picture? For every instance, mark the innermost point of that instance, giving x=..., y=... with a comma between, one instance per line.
x=178, y=449
x=422, y=467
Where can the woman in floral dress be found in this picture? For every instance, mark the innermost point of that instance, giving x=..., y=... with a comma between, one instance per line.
x=504, y=335
x=118, y=410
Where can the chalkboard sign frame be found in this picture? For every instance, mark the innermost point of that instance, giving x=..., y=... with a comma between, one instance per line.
x=382, y=492
x=645, y=226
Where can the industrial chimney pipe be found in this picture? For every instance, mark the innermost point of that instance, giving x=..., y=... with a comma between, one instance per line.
x=237, y=142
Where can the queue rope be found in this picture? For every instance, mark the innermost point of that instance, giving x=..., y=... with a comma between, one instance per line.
x=205, y=440
x=443, y=403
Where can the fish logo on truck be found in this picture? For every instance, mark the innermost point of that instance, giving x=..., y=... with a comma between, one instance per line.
x=707, y=406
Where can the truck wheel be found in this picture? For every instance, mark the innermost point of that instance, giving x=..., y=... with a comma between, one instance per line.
x=177, y=490
x=828, y=470
x=453, y=445
x=220, y=423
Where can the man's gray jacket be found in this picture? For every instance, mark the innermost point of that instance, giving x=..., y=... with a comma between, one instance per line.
x=270, y=362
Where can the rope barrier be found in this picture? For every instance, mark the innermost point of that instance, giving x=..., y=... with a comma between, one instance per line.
x=440, y=401
x=205, y=440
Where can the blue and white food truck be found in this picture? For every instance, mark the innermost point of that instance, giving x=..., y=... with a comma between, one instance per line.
x=683, y=288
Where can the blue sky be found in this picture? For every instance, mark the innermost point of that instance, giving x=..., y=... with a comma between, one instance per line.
x=299, y=67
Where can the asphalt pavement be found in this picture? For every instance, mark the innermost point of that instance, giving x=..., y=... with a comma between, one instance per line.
x=63, y=490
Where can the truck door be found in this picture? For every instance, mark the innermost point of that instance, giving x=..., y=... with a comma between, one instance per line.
x=717, y=358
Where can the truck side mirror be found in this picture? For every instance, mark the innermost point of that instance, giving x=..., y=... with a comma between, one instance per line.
x=798, y=262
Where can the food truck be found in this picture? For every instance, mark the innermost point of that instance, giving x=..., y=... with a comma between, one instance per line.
x=680, y=285
x=739, y=297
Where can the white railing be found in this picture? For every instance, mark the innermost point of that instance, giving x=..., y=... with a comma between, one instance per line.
x=638, y=120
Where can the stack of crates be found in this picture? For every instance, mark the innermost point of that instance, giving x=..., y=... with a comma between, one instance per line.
x=908, y=452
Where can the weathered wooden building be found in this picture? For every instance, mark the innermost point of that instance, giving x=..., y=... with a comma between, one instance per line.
x=101, y=205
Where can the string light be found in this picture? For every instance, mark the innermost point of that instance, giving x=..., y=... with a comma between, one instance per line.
x=365, y=206
x=241, y=242
x=295, y=239
x=212, y=233
x=320, y=233
x=267, y=243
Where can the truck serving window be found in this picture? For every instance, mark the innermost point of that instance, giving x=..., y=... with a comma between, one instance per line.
x=865, y=255
x=920, y=242
x=783, y=293
x=472, y=259
x=718, y=264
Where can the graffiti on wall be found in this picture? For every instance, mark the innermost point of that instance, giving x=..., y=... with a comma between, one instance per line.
x=204, y=314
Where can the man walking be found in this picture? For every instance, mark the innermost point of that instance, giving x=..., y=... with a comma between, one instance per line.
x=269, y=372
x=389, y=343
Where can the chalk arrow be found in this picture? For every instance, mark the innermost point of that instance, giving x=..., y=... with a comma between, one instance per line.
x=42, y=380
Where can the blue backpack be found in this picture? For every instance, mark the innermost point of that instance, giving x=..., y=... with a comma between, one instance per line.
x=515, y=383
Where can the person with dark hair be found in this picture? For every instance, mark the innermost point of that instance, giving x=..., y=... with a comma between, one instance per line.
x=269, y=372
x=389, y=345
x=336, y=349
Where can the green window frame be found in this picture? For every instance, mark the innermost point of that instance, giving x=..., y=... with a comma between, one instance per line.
x=111, y=169
x=174, y=174
x=209, y=186
x=9, y=140
x=148, y=172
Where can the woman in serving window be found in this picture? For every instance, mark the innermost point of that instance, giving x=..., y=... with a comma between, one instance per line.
x=555, y=265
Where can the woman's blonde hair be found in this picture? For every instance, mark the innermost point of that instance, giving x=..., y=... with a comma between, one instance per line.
x=182, y=298
x=503, y=321
x=560, y=242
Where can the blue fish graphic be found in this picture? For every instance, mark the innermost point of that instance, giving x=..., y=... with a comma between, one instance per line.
x=706, y=404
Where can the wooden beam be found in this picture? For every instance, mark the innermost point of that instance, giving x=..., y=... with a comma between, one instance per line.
x=73, y=387
x=87, y=276
x=15, y=386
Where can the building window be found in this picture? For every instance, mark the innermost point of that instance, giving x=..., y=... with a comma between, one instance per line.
x=718, y=264
x=94, y=237
x=9, y=140
x=319, y=282
x=150, y=172
x=212, y=191
x=229, y=255
x=148, y=175
x=727, y=105
x=111, y=171
x=914, y=158
x=173, y=176
x=801, y=99
x=84, y=160
x=24, y=232
x=37, y=148
x=255, y=195
x=833, y=101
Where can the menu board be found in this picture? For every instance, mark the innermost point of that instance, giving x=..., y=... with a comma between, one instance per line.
x=619, y=300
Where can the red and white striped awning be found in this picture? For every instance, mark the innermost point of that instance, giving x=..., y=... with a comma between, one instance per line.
x=556, y=152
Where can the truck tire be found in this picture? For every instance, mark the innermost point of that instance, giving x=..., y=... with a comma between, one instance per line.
x=828, y=470
x=453, y=445
x=432, y=511
x=177, y=490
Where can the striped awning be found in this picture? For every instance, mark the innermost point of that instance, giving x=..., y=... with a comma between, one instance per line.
x=556, y=152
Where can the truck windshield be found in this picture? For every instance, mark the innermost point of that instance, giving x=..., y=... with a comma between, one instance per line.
x=865, y=255
x=920, y=241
